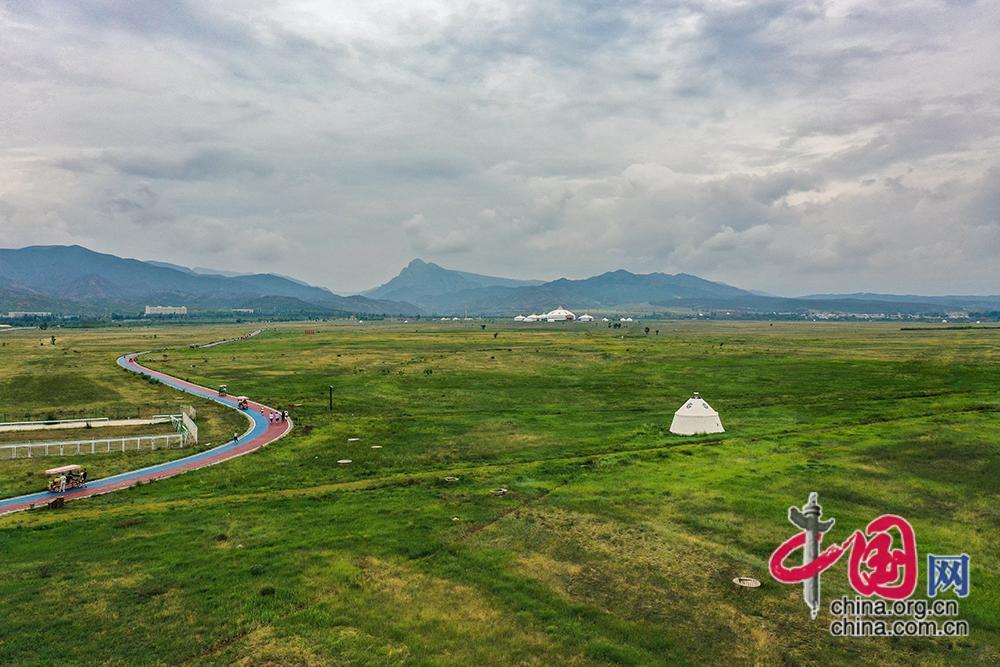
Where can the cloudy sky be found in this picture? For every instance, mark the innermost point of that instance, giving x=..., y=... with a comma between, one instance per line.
x=788, y=146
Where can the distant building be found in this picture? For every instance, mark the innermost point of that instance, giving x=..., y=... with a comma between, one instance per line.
x=519, y=318
x=586, y=318
x=242, y=311
x=28, y=313
x=166, y=310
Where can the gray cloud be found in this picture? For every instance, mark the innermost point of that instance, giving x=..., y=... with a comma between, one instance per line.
x=786, y=145
x=202, y=165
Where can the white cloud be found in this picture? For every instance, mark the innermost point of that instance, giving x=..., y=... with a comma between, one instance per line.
x=787, y=146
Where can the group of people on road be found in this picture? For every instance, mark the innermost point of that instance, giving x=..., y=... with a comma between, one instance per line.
x=273, y=416
x=276, y=417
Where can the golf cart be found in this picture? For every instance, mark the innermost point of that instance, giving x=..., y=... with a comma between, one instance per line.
x=223, y=390
x=66, y=478
x=242, y=402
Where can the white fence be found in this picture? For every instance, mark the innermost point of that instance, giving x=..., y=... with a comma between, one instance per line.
x=187, y=434
x=125, y=443
x=188, y=426
x=52, y=422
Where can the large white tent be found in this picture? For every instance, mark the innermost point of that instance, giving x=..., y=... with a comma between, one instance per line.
x=696, y=417
x=560, y=314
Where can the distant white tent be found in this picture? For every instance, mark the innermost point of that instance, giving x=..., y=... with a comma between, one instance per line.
x=532, y=318
x=696, y=417
x=560, y=314
x=519, y=318
x=586, y=318
x=604, y=319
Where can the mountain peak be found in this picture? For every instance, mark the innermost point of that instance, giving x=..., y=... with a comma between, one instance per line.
x=420, y=280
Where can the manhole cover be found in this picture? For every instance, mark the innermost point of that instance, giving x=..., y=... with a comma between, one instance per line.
x=746, y=582
x=344, y=462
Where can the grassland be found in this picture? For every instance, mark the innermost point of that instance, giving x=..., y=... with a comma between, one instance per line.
x=78, y=377
x=616, y=542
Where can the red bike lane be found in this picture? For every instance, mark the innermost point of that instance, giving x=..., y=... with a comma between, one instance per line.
x=262, y=432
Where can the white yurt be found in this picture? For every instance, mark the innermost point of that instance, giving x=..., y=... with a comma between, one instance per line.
x=519, y=318
x=586, y=318
x=696, y=417
x=532, y=318
x=560, y=314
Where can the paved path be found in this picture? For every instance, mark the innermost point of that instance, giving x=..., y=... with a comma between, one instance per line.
x=228, y=340
x=259, y=434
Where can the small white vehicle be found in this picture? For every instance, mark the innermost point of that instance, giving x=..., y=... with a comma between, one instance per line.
x=65, y=478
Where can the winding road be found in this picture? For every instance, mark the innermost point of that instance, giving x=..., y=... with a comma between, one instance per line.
x=260, y=433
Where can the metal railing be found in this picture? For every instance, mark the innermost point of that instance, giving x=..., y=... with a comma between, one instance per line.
x=47, y=422
x=126, y=443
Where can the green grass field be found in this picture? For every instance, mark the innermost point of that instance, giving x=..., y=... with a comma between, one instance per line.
x=78, y=378
x=616, y=543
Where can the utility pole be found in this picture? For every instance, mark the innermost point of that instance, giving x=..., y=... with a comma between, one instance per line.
x=331, y=398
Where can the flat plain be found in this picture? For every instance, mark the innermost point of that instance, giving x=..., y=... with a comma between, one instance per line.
x=615, y=541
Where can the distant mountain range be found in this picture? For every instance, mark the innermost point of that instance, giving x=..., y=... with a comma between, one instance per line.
x=608, y=290
x=75, y=280
x=443, y=291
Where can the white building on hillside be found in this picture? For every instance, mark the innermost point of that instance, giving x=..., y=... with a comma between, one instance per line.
x=519, y=318
x=28, y=313
x=586, y=318
x=696, y=417
x=166, y=310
